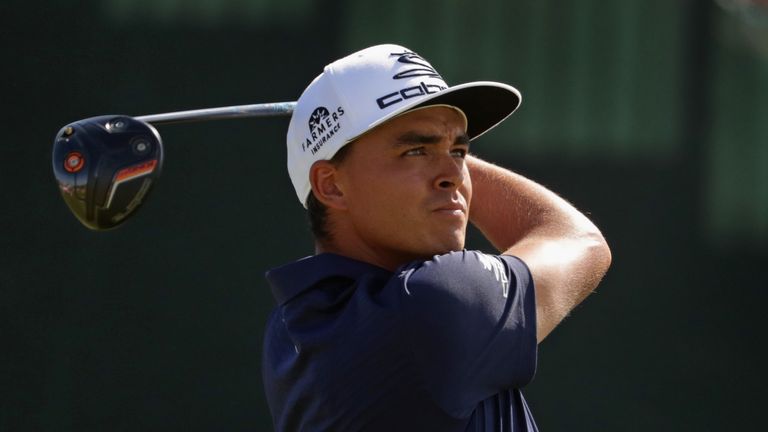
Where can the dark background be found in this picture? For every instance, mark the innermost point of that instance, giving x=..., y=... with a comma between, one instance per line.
x=650, y=116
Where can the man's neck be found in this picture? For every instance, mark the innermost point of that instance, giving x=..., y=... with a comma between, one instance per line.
x=360, y=251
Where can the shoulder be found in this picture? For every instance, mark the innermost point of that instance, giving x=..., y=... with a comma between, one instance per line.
x=470, y=319
x=464, y=275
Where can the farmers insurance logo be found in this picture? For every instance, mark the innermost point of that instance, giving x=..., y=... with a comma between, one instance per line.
x=416, y=66
x=323, y=125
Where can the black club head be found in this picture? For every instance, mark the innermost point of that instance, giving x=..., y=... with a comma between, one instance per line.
x=105, y=166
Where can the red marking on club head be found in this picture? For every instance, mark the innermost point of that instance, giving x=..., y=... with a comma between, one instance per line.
x=141, y=169
x=74, y=162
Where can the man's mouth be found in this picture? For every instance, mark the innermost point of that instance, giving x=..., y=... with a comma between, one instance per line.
x=453, y=208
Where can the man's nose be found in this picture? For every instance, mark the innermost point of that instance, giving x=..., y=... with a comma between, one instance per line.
x=450, y=174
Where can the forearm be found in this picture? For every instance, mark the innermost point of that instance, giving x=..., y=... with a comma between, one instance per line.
x=508, y=208
x=565, y=251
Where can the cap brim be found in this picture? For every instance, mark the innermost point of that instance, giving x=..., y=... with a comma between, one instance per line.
x=484, y=103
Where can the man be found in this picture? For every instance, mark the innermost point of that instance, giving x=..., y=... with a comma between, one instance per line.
x=392, y=325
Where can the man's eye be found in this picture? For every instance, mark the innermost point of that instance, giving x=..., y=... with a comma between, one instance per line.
x=462, y=153
x=415, y=151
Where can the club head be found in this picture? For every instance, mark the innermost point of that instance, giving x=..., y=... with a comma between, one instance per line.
x=105, y=166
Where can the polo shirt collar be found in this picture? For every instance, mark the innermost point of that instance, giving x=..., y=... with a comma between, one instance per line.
x=289, y=280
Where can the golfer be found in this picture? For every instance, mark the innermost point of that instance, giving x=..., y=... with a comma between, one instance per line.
x=392, y=325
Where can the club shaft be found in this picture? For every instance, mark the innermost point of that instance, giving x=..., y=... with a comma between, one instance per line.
x=274, y=109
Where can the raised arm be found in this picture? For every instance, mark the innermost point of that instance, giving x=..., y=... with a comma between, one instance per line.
x=565, y=251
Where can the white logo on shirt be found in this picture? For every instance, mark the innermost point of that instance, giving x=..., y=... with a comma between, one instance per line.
x=494, y=265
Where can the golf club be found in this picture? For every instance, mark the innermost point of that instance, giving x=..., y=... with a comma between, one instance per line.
x=106, y=165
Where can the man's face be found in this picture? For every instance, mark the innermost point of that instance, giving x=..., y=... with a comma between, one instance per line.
x=407, y=187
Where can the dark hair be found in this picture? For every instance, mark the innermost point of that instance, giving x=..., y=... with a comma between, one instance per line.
x=317, y=212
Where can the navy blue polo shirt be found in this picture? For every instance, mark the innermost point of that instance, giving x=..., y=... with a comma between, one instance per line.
x=438, y=345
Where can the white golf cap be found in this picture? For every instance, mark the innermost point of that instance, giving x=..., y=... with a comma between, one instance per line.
x=363, y=90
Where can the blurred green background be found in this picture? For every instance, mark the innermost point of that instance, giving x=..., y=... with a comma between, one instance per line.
x=650, y=116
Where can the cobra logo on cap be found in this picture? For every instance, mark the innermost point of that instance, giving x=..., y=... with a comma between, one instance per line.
x=416, y=66
x=422, y=67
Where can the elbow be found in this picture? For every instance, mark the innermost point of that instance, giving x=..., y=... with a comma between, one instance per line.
x=599, y=253
x=594, y=245
x=606, y=257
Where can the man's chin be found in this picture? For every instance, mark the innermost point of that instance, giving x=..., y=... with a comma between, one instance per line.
x=428, y=247
x=448, y=245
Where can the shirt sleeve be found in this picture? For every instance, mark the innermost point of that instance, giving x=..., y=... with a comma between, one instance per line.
x=471, y=323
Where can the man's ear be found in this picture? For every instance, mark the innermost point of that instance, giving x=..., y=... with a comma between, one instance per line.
x=323, y=176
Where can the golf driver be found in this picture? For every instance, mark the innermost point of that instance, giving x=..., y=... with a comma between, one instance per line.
x=105, y=166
